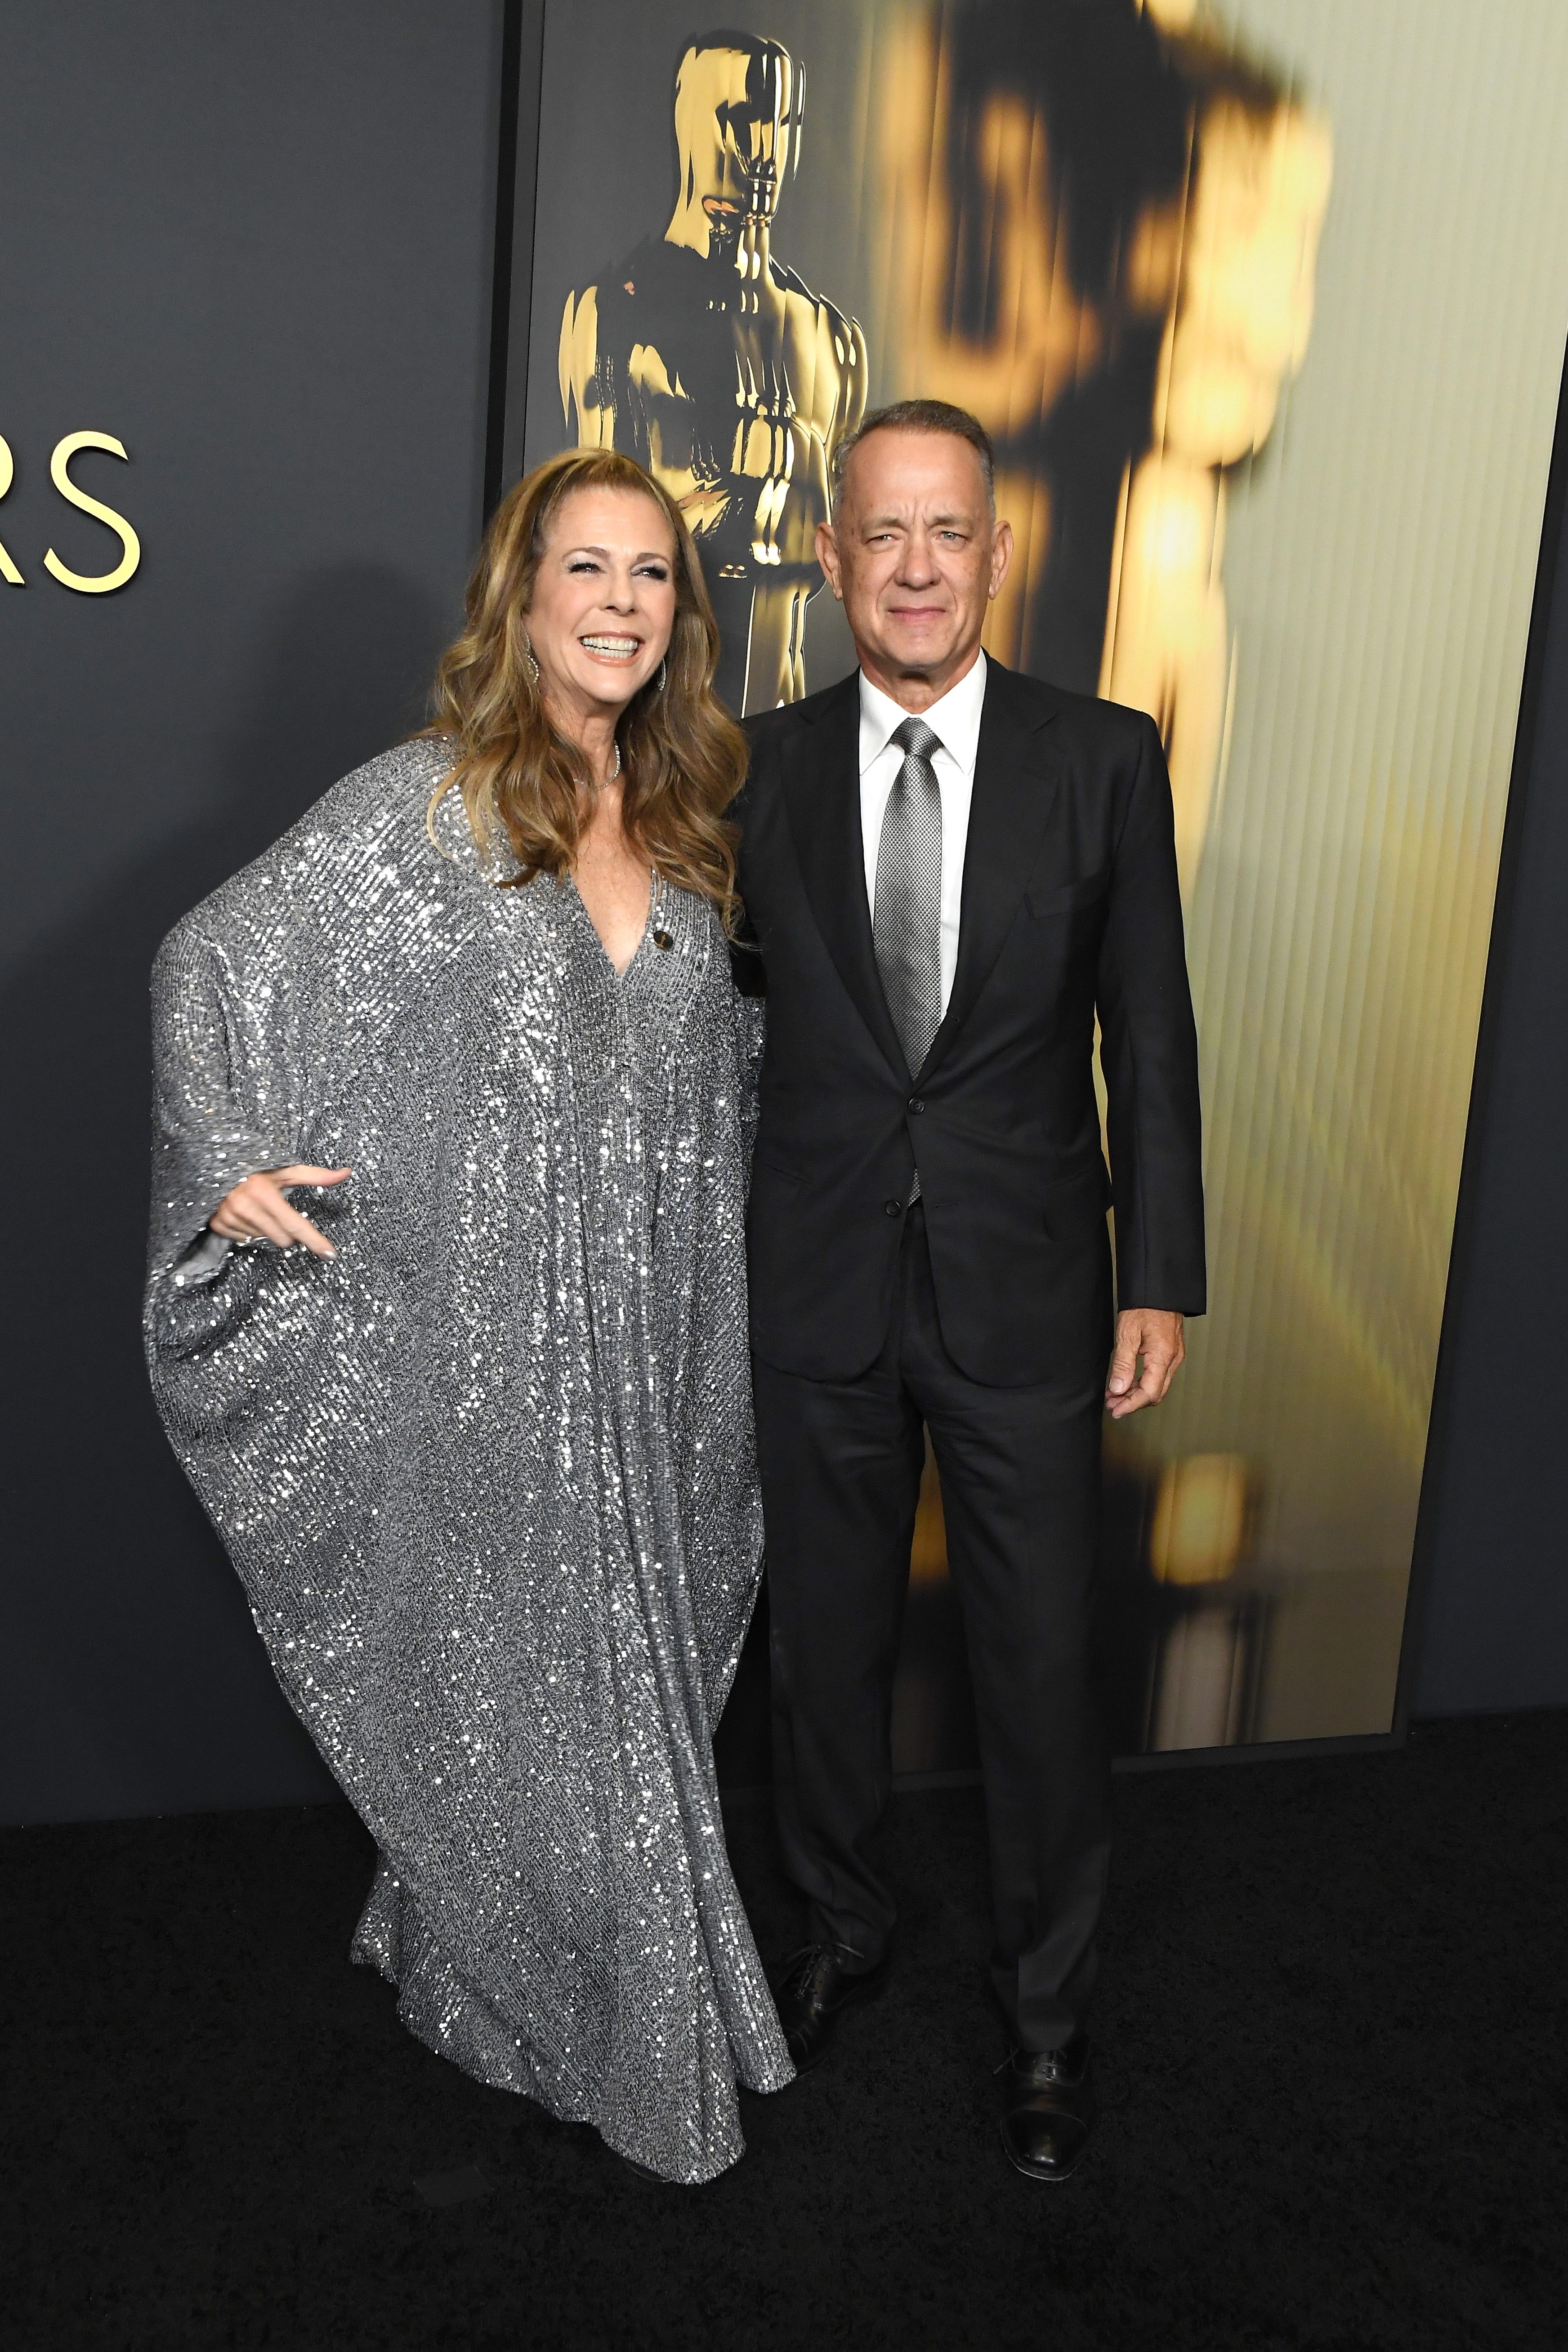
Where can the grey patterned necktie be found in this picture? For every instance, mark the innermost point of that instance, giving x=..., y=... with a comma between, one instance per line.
x=906, y=916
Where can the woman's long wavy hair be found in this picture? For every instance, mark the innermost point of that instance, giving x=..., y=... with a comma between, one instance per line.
x=521, y=781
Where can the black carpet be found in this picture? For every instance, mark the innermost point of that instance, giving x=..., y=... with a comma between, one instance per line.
x=1331, y=2029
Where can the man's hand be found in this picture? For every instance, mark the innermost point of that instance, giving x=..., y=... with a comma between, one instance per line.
x=1154, y=1334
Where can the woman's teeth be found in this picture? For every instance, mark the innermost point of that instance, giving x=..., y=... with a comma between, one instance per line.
x=616, y=648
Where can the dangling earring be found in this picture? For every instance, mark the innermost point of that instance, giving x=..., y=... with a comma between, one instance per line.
x=663, y=672
x=530, y=657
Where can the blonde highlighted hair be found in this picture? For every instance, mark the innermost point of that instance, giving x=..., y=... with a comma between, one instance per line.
x=525, y=784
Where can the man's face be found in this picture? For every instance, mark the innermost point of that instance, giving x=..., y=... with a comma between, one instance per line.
x=916, y=557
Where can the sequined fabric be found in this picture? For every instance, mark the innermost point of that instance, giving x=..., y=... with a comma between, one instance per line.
x=487, y=1475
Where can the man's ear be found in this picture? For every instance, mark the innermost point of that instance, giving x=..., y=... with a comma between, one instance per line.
x=1001, y=556
x=828, y=556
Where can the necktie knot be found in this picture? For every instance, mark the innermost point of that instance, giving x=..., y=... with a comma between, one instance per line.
x=915, y=739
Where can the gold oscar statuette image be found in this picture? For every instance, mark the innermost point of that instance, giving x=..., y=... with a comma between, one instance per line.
x=708, y=359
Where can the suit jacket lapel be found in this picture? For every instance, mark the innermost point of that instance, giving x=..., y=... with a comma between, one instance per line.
x=1016, y=786
x=822, y=782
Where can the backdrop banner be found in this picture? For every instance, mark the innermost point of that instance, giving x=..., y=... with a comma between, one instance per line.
x=1264, y=310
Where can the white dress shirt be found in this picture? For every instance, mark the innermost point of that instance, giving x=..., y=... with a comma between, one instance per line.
x=955, y=721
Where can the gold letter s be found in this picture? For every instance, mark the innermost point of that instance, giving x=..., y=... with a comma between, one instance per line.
x=7, y=569
x=93, y=583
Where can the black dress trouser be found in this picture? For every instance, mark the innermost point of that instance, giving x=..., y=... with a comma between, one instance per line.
x=841, y=1463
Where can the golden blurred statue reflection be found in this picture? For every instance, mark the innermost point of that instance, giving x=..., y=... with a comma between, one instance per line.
x=1105, y=228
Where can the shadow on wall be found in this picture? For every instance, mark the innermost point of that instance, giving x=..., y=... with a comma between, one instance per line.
x=134, y=1681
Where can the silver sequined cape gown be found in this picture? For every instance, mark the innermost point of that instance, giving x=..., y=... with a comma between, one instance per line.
x=487, y=1476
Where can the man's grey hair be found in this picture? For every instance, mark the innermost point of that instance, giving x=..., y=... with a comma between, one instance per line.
x=921, y=416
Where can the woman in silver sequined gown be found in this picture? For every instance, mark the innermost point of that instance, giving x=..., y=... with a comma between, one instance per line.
x=479, y=1441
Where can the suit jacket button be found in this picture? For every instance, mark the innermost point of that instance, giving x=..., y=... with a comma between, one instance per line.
x=894, y=1208
x=915, y=1103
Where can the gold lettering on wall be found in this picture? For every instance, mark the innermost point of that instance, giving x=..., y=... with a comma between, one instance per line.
x=7, y=569
x=95, y=583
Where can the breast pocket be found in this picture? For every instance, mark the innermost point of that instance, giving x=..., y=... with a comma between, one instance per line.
x=1068, y=898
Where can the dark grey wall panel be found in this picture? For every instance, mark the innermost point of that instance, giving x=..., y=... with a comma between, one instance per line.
x=254, y=245
x=1494, y=1625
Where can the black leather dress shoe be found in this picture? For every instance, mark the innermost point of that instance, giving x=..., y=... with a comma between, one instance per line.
x=818, y=1984
x=1049, y=2109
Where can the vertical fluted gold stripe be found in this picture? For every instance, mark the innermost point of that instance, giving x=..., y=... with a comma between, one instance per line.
x=1379, y=569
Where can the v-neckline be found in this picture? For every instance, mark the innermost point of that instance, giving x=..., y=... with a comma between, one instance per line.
x=621, y=975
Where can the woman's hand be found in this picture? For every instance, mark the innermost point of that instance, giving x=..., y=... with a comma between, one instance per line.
x=258, y=1210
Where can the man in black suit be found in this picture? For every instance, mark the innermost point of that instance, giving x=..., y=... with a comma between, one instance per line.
x=949, y=870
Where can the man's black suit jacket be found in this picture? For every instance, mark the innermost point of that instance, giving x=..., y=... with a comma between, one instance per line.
x=1071, y=907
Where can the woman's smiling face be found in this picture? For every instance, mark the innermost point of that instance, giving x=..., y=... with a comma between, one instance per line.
x=603, y=600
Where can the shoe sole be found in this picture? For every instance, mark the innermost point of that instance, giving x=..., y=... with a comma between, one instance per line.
x=1030, y=2172
x=804, y=2066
